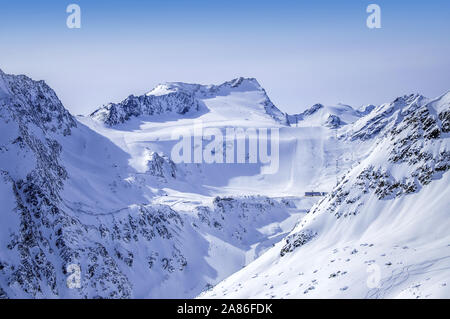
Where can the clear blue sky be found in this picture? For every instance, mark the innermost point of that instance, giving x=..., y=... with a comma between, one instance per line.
x=302, y=52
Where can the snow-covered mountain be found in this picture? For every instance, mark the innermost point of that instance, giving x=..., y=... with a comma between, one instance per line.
x=103, y=193
x=330, y=116
x=175, y=99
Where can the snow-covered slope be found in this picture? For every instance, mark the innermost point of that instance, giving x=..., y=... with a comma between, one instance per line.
x=328, y=116
x=383, y=231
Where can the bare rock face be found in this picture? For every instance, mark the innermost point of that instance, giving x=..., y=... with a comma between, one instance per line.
x=33, y=102
x=134, y=106
x=240, y=217
x=297, y=240
x=333, y=121
x=161, y=166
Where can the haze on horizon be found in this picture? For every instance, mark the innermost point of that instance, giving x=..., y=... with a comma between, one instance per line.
x=302, y=53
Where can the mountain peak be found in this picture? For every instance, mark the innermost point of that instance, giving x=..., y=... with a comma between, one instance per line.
x=179, y=98
x=313, y=109
x=241, y=84
x=35, y=102
x=409, y=98
x=332, y=116
x=173, y=87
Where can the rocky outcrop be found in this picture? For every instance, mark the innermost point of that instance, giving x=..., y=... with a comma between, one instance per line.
x=297, y=240
x=178, y=102
x=240, y=217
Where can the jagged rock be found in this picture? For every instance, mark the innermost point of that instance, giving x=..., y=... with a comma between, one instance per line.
x=333, y=121
x=297, y=240
x=33, y=102
x=239, y=217
x=134, y=106
x=161, y=166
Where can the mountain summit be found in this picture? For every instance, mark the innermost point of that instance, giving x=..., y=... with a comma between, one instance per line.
x=177, y=98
